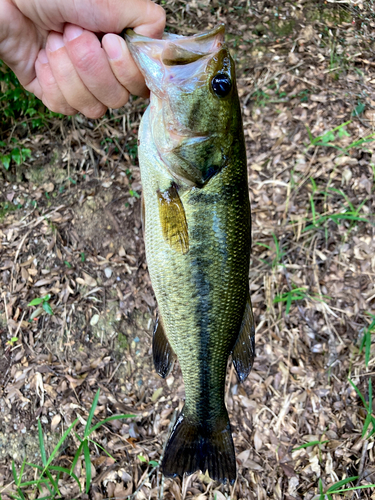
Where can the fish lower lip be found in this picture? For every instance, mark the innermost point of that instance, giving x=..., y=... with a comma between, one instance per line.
x=186, y=135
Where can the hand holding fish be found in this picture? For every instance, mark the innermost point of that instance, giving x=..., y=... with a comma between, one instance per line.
x=53, y=48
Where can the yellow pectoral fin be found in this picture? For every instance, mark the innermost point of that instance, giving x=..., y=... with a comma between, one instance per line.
x=244, y=349
x=173, y=220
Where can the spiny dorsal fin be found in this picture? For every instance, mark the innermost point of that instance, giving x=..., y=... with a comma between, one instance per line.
x=244, y=349
x=173, y=220
x=162, y=351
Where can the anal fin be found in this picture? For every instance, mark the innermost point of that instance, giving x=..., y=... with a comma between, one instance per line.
x=173, y=219
x=162, y=351
x=244, y=348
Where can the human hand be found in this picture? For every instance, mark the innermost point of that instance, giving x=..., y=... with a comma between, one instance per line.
x=52, y=47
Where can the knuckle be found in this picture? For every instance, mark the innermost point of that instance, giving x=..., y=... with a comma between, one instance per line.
x=94, y=112
x=118, y=102
x=160, y=13
x=87, y=62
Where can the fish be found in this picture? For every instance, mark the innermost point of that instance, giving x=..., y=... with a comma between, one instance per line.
x=197, y=230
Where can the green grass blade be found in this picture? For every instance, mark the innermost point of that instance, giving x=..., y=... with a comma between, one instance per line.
x=321, y=492
x=348, y=217
x=76, y=457
x=354, y=488
x=262, y=245
x=359, y=393
x=373, y=427
x=14, y=472
x=67, y=471
x=113, y=417
x=86, y=453
x=310, y=443
x=91, y=414
x=368, y=348
x=101, y=447
x=53, y=482
x=39, y=467
x=22, y=468
x=332, y=488
x=62, y=439
x=366, y=424
x=363, y=341
x=31, y=483
x=41, y=443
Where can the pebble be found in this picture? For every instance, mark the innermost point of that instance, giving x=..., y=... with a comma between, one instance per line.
x=108, y=272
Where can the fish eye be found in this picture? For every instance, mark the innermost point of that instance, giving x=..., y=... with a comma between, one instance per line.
x=221, y=84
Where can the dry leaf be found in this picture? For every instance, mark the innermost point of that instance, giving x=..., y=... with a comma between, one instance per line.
x=56, y=419
x=89, y=280
x=257, y=440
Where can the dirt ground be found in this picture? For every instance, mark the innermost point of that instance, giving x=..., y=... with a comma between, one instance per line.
x=70, y=228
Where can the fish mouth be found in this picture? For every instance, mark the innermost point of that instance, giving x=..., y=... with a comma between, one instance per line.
x=197, y=45
x=174, y=59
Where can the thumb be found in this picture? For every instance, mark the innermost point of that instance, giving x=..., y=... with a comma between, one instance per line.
x=20, y=41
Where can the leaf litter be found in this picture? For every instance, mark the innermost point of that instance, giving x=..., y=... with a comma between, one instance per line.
x=306, y=75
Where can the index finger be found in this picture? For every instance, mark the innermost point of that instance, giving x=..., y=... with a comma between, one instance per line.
x=100, y=16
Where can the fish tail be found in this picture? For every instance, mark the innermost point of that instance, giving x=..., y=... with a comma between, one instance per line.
x=194, y=447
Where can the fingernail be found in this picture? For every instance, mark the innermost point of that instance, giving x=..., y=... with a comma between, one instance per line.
x=114, y=46
x=72, y=31
x=42, y=56
x=55, y=42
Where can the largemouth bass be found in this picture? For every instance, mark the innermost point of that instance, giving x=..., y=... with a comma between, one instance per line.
x=196, y=215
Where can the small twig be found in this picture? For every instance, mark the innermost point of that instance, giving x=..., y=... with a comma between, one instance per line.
x=7, y=317
x=114, y=371
x=19, y=324
x=361, y=464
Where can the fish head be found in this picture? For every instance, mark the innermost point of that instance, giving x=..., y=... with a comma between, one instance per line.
x=193, y=102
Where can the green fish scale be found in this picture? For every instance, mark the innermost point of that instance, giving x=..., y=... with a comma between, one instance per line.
x=201, y=295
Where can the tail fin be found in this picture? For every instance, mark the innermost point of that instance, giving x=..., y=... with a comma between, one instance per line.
x=191, y=448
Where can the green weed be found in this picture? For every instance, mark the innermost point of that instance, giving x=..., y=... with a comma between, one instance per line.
x=366, y=339
x=261, y=98
x=44, y=304
x=370, y=419
x=49, y=475
x=328, y=138
x=17, y=104
x=6, y=207
x=279, y=254
x=134, y=194
x=347, y=213
x=17, y=154
x=153, y=463
x=359, y=109
x=336, y=489
x=312, y=443
x=295, y=294
x=291, y=296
